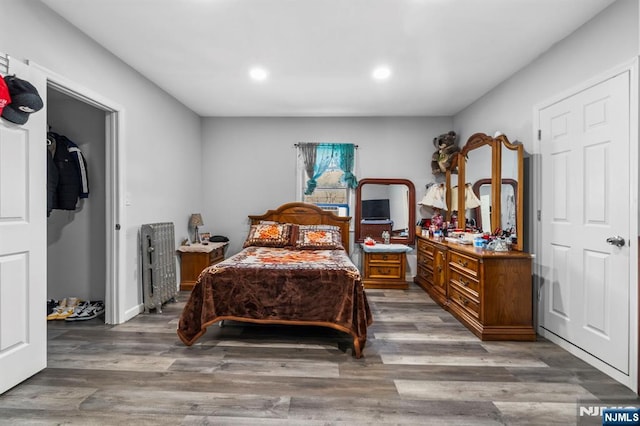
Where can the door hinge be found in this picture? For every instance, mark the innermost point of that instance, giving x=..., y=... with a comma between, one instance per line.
x=117, y=226
x=539, y=134
x=539, y=215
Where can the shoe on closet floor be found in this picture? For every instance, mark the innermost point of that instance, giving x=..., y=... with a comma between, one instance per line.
x=77, y=311
x=89, y=311
x=64, y=309
x=61, y=306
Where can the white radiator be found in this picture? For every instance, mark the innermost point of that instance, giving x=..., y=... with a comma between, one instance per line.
x=158, y=265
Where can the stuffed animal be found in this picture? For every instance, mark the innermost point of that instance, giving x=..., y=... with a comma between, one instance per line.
x=446, y=149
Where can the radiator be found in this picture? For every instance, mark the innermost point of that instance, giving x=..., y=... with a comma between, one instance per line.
x=158, y=265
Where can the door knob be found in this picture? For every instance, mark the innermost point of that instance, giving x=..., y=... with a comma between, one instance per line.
x=617, y=241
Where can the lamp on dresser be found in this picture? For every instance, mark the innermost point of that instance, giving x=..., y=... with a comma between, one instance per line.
x=194, y=221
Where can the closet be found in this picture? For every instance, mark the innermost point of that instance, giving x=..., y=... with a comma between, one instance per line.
x=76, y=246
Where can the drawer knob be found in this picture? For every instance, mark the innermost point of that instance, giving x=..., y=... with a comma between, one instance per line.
x=464, y=263
x=464, y=283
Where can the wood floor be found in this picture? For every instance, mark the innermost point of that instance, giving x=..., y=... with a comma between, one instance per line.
x=420, y=366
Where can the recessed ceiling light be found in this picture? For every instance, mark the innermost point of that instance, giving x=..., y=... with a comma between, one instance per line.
x=258, y=73
x=381, y=73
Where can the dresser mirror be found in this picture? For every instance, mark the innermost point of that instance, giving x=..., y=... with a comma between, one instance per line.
x=494, y=166
x=451, y=181
x=482, y=214
x=385, y=205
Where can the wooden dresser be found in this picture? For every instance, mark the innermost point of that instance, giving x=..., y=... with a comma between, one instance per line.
x=489, y=292
x=385, y=266
x=195, y=258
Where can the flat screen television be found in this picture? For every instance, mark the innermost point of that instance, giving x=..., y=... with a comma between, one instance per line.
x=375, y=209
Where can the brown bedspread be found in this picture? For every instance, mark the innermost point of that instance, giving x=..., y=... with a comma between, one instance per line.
x=280, y=286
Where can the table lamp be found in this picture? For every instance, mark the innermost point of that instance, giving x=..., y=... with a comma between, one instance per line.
x=196, y=220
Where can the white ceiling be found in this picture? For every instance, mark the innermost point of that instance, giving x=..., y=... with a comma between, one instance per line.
x=443, y=54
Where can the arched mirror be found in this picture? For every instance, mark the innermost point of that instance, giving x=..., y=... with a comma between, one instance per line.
x=494, y=168
x=385, y=205
x=512, y=208
x=481, y=215
x=475, y=162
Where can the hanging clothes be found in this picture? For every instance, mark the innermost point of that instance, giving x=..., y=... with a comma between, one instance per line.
x=73, y=181
x=52, y=175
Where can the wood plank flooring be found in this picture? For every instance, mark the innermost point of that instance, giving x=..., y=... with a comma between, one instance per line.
x=420, y=366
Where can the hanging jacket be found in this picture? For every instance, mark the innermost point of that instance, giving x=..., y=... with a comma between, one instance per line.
x=73, y=182
x=52, y=178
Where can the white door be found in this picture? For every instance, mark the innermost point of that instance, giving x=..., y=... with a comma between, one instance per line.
x=23, y=280
x=585, y=201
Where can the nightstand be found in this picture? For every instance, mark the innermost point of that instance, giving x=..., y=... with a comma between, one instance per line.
x=385, y=266
x=195, y=258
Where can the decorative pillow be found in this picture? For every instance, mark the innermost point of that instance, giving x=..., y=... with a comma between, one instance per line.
x=269, y=235
x=326, y=237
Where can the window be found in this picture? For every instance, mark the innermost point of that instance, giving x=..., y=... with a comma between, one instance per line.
x=330, y=186
x=325, y=174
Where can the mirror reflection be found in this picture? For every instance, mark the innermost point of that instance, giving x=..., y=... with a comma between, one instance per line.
x=385, y=205
x=478, y=168
x=481, y=215
x=495, y=167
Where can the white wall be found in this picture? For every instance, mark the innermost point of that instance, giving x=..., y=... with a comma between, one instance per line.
x=161, y=143
x=250, y=163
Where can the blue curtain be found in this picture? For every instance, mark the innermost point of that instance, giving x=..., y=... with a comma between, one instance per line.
x=318, y=157
x=346, y=155
x=324, y=155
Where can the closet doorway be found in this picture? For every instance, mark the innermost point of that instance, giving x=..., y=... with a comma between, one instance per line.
x=84, y=256
x=76, y=249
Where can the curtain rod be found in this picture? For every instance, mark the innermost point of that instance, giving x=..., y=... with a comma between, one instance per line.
x=328, y=143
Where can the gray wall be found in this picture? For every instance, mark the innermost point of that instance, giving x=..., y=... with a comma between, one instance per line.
x=249, y=164
x=161, y=145
x=608, y=40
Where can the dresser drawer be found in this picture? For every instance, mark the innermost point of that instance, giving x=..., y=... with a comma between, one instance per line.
x=471, y=284
x=385, y=271
x=425, y=247
x=217, y=255
x=385, y=257
x=425, y=274
x=465, y=302
x=425, y=262
x=469, y=265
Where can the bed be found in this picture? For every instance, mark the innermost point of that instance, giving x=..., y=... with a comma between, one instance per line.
x=303, y=277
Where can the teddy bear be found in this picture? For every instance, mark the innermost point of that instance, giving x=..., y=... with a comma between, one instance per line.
x=446, y=149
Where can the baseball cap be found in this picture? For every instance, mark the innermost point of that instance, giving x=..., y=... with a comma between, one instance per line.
x=25, y=100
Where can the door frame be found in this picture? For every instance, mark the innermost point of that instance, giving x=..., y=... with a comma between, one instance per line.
x=631, y=67
x=115, y=220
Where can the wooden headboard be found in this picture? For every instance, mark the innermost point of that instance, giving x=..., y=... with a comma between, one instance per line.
x=306, y=214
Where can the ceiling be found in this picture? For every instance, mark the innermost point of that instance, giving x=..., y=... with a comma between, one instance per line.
x=319, y=54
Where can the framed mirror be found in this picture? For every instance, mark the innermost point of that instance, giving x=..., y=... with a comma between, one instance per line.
x=497, y=165
x=481, y=215
x=511, y=160
x=385, y=205
x=476, y=161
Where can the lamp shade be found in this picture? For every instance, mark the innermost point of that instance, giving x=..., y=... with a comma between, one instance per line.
x=471, y=200
x=196, y=220
x=435, y=197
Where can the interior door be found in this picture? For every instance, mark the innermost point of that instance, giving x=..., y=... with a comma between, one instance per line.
x=23, y=280
x=585, y=220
